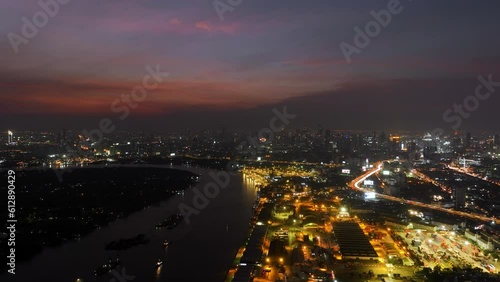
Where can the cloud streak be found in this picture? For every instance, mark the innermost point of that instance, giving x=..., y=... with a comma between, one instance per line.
x=261, y=54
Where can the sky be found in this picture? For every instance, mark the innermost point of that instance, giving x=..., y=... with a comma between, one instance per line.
x=231, y=71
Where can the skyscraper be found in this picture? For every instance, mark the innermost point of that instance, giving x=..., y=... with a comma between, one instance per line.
x=496, y=140
x=459, y=194
x=468, y=140
x=10, y=137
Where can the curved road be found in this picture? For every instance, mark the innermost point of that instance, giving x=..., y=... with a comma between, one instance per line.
x=356, y=182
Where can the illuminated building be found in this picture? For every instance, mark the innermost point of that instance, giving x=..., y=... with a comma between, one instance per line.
x=10, y=137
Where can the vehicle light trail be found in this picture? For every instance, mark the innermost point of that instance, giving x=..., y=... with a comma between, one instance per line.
x=356, y=182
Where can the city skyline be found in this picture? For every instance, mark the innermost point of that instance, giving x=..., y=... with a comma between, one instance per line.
x=432, y=200
x=250, y=140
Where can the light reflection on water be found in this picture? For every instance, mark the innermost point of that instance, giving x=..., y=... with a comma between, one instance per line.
x=200, y=251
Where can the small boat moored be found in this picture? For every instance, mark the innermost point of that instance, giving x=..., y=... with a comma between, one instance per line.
x=159, y=263
x=105, y=268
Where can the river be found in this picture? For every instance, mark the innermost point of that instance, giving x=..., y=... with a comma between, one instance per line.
x=202, y=250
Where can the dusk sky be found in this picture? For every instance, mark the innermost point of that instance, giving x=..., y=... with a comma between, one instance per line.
x=263, y=54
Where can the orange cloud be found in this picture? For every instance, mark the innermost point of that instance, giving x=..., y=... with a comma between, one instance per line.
x=203, y=25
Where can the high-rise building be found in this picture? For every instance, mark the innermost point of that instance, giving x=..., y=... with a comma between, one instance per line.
x=496, y=140
x=456, y=143
x=459, y=195
x=10, y=137
x=468, y=140
x=382, y=139
x=63, y=136
x=395, y=141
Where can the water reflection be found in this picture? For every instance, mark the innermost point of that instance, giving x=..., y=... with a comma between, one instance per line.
x=158, y=272
x=210, y=241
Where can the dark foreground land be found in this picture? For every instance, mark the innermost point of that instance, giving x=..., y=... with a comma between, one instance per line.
x=50, y=212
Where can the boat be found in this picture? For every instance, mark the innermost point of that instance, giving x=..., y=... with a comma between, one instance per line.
x=159, y=263
x=166, y=243
x=196, y=178
x=124, y=244
x=105, y=268
x=171, y=222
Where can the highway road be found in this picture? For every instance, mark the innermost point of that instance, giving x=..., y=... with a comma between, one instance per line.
x=465, y=171
x=355, y=184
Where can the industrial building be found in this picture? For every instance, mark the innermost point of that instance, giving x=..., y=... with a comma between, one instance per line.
x=353, y=243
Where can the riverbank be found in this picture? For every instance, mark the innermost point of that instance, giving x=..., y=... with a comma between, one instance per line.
x=200, y=251
x=87, y=199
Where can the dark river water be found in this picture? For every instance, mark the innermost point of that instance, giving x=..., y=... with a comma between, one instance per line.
x=202, y=250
